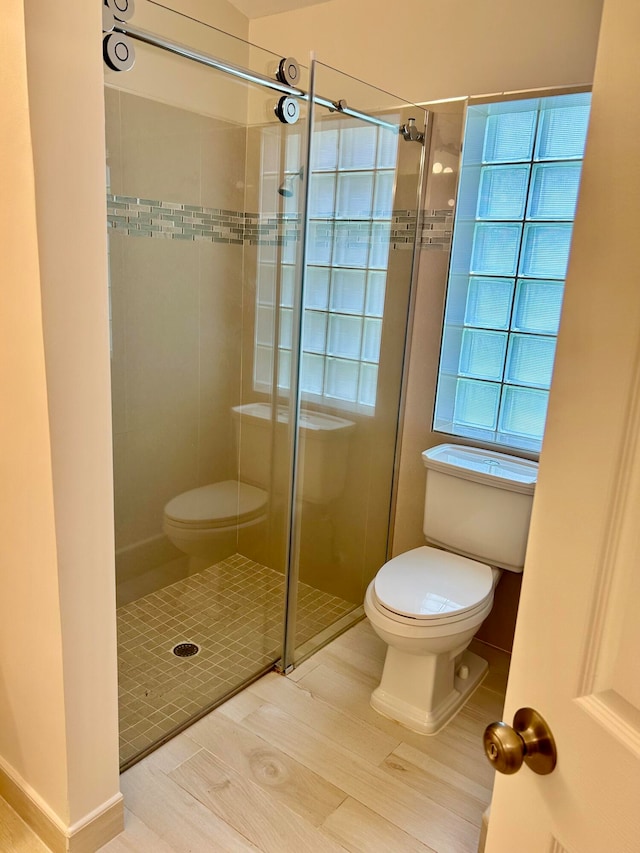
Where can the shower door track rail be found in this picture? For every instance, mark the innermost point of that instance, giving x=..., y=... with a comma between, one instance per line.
x=245, y=74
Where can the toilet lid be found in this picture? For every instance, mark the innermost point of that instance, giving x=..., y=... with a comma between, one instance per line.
x=427, y=583
x=217, y=503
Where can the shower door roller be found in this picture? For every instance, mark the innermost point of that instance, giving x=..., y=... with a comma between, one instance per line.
x=118, y=52
x=288, y=71
x=287, y=110
x=122, y=10
x=529, y=741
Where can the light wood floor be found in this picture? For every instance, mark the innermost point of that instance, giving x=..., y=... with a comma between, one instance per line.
x=303, y=764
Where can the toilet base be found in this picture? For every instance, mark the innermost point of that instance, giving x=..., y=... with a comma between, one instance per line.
x=430, y=720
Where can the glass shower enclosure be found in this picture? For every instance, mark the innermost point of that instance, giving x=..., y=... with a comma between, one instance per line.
x=260, y=286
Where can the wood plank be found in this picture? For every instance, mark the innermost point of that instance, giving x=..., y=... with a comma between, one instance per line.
x=286, y=781
x=15, y=835
x=173, y=753
x=182, y=822
x=239, y=706
x=356, y=736
x=453, y=745
x=360, y=830
x=136, y=838
x=363, y=639
x=423, y=776
x=444, y=772
x=416, y=814
x=245, y=807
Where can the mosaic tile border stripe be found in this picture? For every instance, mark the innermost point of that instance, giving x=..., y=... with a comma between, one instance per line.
x=142, y=217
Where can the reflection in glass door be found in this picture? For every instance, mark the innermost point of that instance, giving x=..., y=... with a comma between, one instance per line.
x=255, y=408
x=362, y=200
x=200, y=457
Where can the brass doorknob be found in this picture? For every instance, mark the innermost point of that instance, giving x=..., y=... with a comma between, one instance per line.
x=530, y=740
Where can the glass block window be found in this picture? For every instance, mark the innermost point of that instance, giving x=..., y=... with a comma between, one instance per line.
x=352, y=181
x=516, y=203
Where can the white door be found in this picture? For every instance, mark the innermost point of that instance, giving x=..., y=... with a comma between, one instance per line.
x=576, y=656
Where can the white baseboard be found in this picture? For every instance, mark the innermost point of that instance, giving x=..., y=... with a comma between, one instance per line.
x=85, y=836
x=484, y=828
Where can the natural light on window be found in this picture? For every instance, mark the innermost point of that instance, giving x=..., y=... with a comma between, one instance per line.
x=516, y=202
x=350, y=212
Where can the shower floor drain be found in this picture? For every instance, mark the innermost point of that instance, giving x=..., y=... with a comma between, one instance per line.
x=186, y=650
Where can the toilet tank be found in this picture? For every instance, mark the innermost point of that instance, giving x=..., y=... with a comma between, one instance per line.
x=323, y=445
x=478, y=503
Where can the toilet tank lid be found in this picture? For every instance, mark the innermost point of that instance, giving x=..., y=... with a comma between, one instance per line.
x=483, y=466
x=319, y=423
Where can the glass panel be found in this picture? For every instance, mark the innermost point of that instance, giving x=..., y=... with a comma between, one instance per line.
x=538, y=305
x=476, y=404
x=383, y=202
x=322, y=195
x=563, y=130
x=358, y=147
x=489, y=302
x=265, y=318
x=316, y=293
x=380, y=240
x=347, y=291
x=482, y=354
x=509, y=137
x=371, y=340
x=530, y=360
x=495, y=249
x=523, y=412
x=325, y=150
x=554, y=191
x=345, y=334
x=489, y=244
x=503, y=192
x=320, y=243
x=352, y=243
x=376, y=284
x=287, y=285
x=347, y=436
x=193, y=357
x=368, y=384
x=545, y=250
x=342, y=379
x=312, y=379
x=314, y=338
x=355, y=193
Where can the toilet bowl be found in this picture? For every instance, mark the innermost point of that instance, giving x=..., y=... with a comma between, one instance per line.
x=204, y=523
x=214, y=521
x=428, y=603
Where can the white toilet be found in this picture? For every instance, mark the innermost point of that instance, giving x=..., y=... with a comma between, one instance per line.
x=427, y=604
x=205, y=522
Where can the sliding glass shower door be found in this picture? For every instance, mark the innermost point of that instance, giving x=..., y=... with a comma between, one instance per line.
x=364, y=180
x=259, y=302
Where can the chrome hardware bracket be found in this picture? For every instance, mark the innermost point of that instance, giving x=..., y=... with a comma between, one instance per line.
x=410, y=132
x=117, y=49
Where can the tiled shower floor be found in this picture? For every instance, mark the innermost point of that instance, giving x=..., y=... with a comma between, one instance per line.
x=234, y=612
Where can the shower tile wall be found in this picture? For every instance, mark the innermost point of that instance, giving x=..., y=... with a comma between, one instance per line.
x=176, y=311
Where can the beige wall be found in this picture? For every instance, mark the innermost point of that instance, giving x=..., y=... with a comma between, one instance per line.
x=32, y=733
x=171, y=79
x=176, y=319
x=58, y=711
x=425, y=50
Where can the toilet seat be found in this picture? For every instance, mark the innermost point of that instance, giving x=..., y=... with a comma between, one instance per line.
x=427, y=586
x=216, y=505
